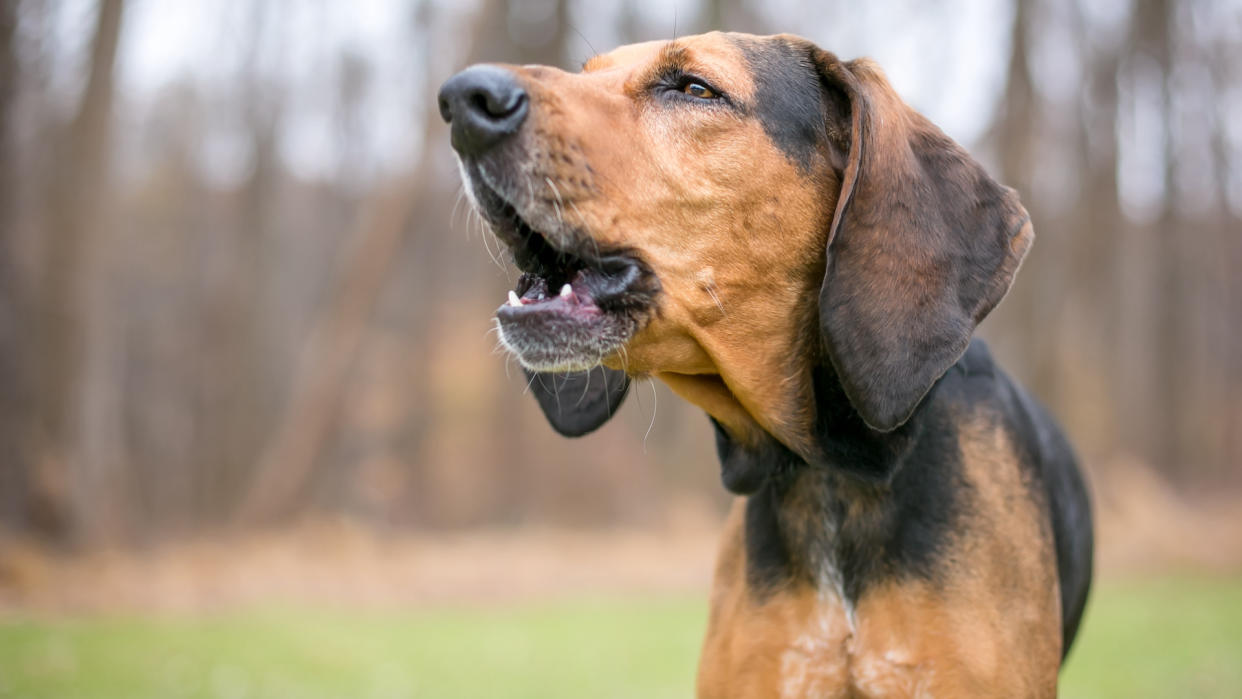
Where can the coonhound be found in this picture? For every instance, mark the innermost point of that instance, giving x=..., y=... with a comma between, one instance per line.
x=774, y=234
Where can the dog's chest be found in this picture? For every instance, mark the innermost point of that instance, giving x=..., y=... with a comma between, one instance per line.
x=818, y=649
x=899, y=638
x=902, y=639
x=814, y=654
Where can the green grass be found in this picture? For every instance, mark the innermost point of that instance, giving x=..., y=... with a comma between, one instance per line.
x=616, y=648
x=1169, y=638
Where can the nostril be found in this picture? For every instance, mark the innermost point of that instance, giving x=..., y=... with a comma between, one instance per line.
x=479, y=103
x=516, y=101
x=497, y=104
x=446, y=111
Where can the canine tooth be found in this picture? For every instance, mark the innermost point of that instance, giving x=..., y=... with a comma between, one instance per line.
x=567, y=291
x=513, y=299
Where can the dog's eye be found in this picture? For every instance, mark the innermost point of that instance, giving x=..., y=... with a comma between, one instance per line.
x=683, y=87
x=699, y=90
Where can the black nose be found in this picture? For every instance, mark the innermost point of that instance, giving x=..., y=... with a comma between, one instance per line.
x=484, y=104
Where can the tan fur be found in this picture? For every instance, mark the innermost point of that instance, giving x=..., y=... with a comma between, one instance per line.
x=989, y=628
x=791, y=645
x=736, y=235
x=731, y=228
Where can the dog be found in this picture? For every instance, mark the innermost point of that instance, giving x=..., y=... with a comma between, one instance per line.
x=773, y=233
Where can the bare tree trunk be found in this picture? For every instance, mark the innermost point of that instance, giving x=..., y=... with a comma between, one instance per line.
x=1227, y=66
x=1093, y=244
x=14, y=428
x=1154, y=24
x=236, y=375
x=1013, y=135
x=81, y=181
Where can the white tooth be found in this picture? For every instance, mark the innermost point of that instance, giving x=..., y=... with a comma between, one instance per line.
x=567, y=291
x=513, y=299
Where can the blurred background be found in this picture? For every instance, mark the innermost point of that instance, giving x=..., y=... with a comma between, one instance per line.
x=256, y=439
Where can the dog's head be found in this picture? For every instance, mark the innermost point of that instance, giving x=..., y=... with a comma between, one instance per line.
x=726, y=212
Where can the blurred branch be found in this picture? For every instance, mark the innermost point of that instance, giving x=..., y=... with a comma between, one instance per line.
x=288, y=458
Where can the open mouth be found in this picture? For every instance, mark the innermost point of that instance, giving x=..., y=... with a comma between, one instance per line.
x=585, y=281
x=575, y=303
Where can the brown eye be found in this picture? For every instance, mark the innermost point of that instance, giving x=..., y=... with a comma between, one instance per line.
x=699, y=90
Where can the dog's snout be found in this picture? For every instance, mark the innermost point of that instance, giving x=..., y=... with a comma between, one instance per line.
x=484, y=105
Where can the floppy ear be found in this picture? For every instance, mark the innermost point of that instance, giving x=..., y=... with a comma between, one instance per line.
x=578, y=402
x=923, y=245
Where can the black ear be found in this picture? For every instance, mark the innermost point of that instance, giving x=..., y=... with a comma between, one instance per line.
x=578, y=402
x=923, y=245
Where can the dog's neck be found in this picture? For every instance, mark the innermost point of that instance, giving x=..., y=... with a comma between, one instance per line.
x=832, y=523
x=840, y=443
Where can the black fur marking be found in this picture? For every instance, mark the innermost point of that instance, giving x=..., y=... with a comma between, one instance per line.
x=1071, y=528
x=743, y=471
x=908, y=483
x=910, y=480
x=579, y=402
x=788, y=99
x=847, y=443
x=769, y=565
x=897, y=498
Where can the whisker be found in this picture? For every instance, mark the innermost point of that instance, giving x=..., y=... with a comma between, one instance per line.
x=711, y=291
x=559, y=202
x=533, y=375
x=556, y=392
x=461, y=195
x=508, y=360
x=483, y=231
x=655, y=408
x=586, y=389
x=583, y=37
x=555, y=191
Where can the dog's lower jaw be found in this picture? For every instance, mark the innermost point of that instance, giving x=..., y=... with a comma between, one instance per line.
x=554, y=344
x=547, y=363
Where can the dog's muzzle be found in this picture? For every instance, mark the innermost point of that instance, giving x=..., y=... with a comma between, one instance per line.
x=577, y=301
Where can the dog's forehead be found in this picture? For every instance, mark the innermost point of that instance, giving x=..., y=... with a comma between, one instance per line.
x=624, y=56
x=773, y=76
x=717, y=56
x=788, y=99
